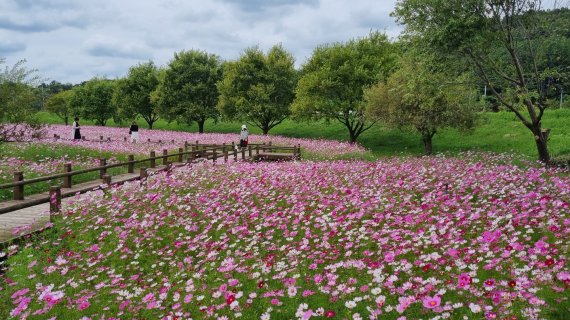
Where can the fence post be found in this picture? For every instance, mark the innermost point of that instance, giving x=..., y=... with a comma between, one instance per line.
x=257, y=150
x=102, y=171
x=143, y=174
x=197, y=144
x=100, y=138
x=185, y=145
x=164, y=156
x=215, y=155
x=299, y=151
x=18, y=190
x=148, y=140
x=181, y=154
x=270, y=148
x=243, y=153
x=125, y=139
x=54, y=201
x=131, y=166
x=83, y=138
x=152, y=159
x=159, y=140
x=107, y=179
x=249, y=151
x=67, y=179
x=225, y=155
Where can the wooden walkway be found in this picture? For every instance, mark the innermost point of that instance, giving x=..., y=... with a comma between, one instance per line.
x=31, y=214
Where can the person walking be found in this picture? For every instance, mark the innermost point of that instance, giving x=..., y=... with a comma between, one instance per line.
x=243, y=136
x=134, y=132
x=76, y=129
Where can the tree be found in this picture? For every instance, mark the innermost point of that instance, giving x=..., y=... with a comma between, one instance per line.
x=417, y=95
x=332, y=83
x=93, y=100
x=132, y=94
x=258, y=88
x=17, y=119
x=187, y=91
x=60, y=104
x=476, y=29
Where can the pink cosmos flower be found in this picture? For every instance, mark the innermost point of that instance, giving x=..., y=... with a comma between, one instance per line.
x=431, y=302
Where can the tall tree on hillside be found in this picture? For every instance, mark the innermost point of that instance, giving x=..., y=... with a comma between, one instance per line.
x=258, y=88
x=421, y=97
x=187, y=90
x=477, y=29
x=60, y=105
x=332, y=83
x=132, y=94
x=93, y=100
x=16, y=102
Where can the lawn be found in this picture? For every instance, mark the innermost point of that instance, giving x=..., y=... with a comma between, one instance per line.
x=398, y=238
x=497, y=132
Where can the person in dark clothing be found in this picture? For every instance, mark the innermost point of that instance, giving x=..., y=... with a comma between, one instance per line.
x=76, y=129
x=134, y=132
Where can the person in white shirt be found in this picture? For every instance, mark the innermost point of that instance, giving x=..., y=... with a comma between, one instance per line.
x=243, y=136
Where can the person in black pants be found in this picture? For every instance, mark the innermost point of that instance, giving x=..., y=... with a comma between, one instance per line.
x=76, y=129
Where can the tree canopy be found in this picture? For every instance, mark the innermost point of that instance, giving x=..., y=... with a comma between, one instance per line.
x=16, y=101
x=258, y=88
x=187, y=91
x=501, y=39
x=420, y=96
x=333, y=80
x=93, y=100
x=132, y=95
x=60, y=105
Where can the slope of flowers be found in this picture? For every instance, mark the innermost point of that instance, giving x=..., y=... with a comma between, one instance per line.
x=117, y=135
x=428, y=238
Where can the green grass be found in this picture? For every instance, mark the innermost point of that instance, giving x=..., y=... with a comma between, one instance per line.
x=496, y=132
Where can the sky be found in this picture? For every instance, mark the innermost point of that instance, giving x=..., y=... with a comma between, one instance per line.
x=75, y=40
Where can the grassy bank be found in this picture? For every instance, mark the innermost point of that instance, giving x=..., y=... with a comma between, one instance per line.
x=497, y=132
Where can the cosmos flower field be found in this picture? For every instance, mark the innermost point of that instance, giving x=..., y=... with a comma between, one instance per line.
x=172, y=140
x=472, y=237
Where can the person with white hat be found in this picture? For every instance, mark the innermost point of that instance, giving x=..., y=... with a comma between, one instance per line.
x=244, y=134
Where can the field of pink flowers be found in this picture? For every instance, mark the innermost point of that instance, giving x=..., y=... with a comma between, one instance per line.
x=429, y=238
x=316, y=147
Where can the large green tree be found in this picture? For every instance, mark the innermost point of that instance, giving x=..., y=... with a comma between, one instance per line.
x=421, y=97
x=93, y=100
x=497, y=38
x=187, y=90
x=132, y=94
x=60, y=105
x=333, y=80
x=258, y=88
x=17, y=118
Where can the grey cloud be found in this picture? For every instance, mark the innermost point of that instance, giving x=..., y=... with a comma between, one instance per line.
x=32, y=26
x=45, y=4
x=102, y=47
x=261, y=5
x=11, y=47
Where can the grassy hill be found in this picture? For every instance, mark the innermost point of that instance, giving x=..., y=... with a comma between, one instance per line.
x=497, y=132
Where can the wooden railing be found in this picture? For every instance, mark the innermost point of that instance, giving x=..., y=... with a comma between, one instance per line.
x=192, y=152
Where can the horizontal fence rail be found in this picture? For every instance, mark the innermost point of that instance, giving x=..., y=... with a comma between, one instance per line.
x=192, y=152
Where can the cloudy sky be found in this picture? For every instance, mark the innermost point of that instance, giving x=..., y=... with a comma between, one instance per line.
x=74, y=40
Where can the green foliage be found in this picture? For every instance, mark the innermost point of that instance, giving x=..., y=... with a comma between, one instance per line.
x=132, y=94
x=258, y=88
x=93, y=100
x=60, y=105
x=502, y=39
x=187, y=90
x=16, y=102
x=419, y=96
x=333, y=81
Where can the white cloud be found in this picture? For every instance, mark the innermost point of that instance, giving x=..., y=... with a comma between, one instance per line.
x=72, y=41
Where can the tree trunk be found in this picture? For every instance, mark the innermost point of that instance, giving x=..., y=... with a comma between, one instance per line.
x=201, y=125
x=150, y=123
x=426, y=139
x=66, y=120
x=541, y=139
x=265, y=129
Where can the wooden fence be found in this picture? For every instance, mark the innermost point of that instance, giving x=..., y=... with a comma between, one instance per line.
x=190, y=153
